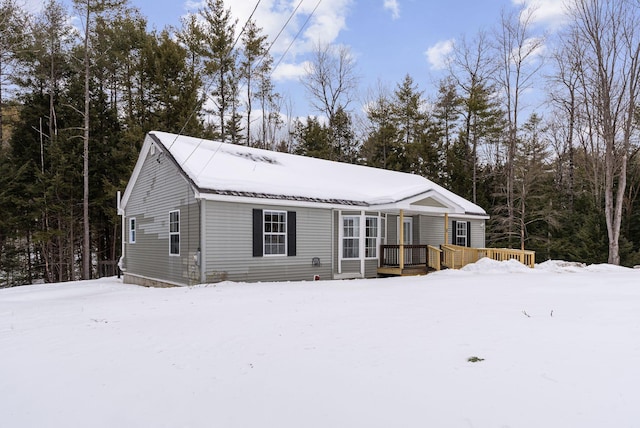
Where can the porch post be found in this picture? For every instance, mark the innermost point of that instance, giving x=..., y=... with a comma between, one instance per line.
x=446, y=228
x=401, y=239
x=363, y=246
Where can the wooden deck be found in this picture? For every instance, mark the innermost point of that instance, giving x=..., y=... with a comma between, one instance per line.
x=420, y=259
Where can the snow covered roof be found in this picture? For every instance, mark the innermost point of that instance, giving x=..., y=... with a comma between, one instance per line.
x=227, y=169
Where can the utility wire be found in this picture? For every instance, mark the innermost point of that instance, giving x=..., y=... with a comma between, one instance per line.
x=244, y=27
x=279, y=33
x=206, y=92
x=296, y=36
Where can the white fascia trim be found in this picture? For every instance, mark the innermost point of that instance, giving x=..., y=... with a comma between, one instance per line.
x=453, y=216
x=274, y=202
x=142, y=157
x=407, y=207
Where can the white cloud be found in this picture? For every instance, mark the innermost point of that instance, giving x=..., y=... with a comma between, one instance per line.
x=551, y=13
x=289, y=71
x=324, y=27
x=438, y=54
x=393, y=7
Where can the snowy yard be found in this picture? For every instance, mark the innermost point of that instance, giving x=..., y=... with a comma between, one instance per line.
x=557, y=346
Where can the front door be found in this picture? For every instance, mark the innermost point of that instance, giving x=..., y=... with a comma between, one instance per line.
x=407, y=238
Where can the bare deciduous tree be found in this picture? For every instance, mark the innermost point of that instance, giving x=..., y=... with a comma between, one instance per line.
x=472, y=67
x=607, y=30
x=519, y=64
x=331, y=79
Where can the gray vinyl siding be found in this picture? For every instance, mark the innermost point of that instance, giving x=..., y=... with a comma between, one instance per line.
x=432, y=230
x=477, y=231
x=161, y=188
x=371, y=268
x=229, y=244
x=353, y=266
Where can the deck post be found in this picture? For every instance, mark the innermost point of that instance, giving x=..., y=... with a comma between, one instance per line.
x=401, y=240
x=446, y=228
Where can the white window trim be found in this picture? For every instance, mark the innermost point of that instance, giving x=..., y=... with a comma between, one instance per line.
x=377, y=237
x=133, y=231
x=285, y=234
x=464, y=236
x=174, y=233
x=342, y=237
x=362, y=236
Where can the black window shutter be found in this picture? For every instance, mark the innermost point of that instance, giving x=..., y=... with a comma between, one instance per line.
x=291, y=233
x=454, y=233
x=468, y=234
x=257, y=233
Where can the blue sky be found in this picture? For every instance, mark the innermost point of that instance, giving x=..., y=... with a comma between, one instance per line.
x=388, y=38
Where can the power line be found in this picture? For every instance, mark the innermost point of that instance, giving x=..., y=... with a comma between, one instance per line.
x=296, y=36
x=206, y=91
x=282, y=29
x=244, y=27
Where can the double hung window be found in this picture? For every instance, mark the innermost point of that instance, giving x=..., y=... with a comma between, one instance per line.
x=174, y=233
x=350, y=237
x=360, y=237
x=371, y=237
x=461, y=233
x=275, y=232
x=132, y=230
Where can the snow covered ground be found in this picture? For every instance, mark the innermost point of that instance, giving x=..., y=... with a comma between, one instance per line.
x=556, y=346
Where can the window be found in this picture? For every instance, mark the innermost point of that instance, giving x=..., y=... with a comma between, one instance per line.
x=275, y=233
x=132, y=230
x=371, y=237
x=174, y=233
x=350, y=237
x=461, y=233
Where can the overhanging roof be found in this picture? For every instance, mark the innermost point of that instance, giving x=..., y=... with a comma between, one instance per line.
x=223, y=171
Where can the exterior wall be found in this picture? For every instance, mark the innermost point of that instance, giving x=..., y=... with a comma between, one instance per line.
x=228, y=252
x=392, y=229
x=432, y=230
x=477, y=231
x=161, y=188
x=429, y=230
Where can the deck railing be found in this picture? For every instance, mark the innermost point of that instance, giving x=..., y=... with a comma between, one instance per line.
x=413, y=255
x=435, y=257
x=449, y=256
x=456, y=257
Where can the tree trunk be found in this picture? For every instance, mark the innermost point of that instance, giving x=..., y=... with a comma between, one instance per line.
x=86, y=247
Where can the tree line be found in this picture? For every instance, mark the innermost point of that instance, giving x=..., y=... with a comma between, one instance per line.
x=561, y=179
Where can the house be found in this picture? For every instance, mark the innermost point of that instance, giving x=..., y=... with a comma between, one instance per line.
x=200, y=211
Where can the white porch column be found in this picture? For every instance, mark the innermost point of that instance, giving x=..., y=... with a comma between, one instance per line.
x=363, y=238
x=340, y=243
x=401, y=239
